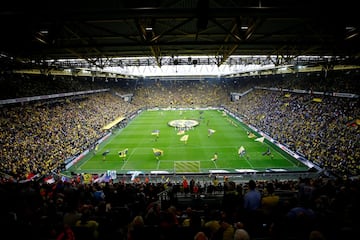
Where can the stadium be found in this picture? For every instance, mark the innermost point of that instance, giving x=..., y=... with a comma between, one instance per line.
x=112, y=110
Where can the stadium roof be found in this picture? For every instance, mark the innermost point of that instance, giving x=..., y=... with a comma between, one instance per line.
x=100, y=33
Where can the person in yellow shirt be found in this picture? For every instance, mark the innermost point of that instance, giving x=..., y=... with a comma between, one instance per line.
x=86, y=222
x=227, y=229
x=269, y=202
x=215, y=157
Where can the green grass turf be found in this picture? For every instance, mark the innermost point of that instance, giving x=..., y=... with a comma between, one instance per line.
x=180, y=157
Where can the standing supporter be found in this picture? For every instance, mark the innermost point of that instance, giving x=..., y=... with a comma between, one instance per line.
x=152, y=216
x=252, y=204
x=212, y=224
x=136, y=229
x=269, y=203
x=185, y=185
x=192, y=184
x=88, y=222
x=252, y=198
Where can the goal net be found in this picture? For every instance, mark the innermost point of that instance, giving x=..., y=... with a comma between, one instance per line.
x=187, y=166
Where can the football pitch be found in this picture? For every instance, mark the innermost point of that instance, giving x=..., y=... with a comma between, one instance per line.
x=185, y=141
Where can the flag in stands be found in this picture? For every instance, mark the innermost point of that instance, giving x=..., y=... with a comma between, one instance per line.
x=317, y=100
x=135, y=174
x=30, y=175
x=260, y=139
x=105, y=177
x=112, y=174
x=87, y=178
x=65, y=178
x=155, y=132
x=49, y=179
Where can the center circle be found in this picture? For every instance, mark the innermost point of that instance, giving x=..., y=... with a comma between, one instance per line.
x=183, y=124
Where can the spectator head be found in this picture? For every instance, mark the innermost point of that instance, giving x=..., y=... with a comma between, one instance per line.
x=241, y=234
x=138, y=221
x=200, y=236
x=270, y=188
x=239, y=225
x=316, y=235
x=252, y=184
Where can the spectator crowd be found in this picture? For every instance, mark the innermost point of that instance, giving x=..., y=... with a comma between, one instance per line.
x=37, y=137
